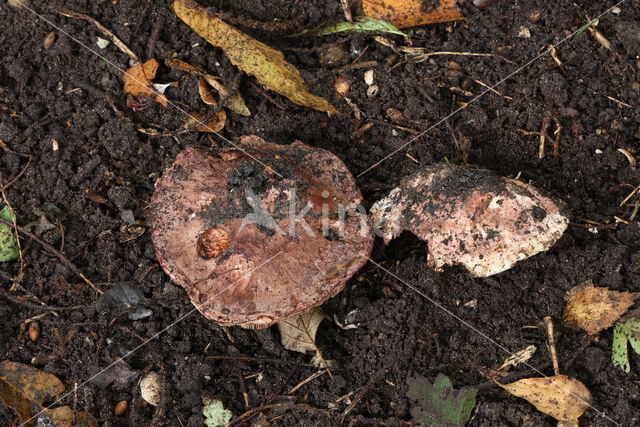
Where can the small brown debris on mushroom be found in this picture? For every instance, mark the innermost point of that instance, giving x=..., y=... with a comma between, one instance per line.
x=212, y=243
x=470, y=217
x=259, y=233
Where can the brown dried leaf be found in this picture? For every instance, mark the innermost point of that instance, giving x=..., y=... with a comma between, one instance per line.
x=596, y=308
x=205, y=93
x=137, y=81
x=63, y=416
x=564, y=398
x=215, y=123
x=234, y=102
x=25, y=389
x=410, y=13
x=253, y=57
x=299, y=333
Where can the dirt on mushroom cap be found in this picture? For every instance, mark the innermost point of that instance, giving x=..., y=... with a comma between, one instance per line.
x=470, y=217
x=261, y=210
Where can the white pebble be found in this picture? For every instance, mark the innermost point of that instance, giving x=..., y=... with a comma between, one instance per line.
x=153, y=389
x=368, y=77
x=102, y=43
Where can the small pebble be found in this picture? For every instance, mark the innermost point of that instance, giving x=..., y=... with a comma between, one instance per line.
x=102, y=43
x=372, y=91
x=120, y=408
x=34, y=330
x=524, y=32
x=49, y=40
x=368, y=77
x=341, y=85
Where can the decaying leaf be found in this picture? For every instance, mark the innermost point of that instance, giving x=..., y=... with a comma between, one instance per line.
x=26, y=389
x=299, y=333
x=63, y=416
x=215, y=414
x=362, y=24
x=253, y=57
x=562, y=397
x=120, y=374
x=438, y=404
x=214, y=124
x=517, y=358
x=410, y=13
x=137, y=81
x=596, y=308
x=8, y=245
x=623, y=333
x=234, y=101
x=121, y=297
x=470, y=217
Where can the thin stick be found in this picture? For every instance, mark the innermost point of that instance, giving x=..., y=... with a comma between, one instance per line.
x=24, y=169
x=347, y=10
x=308, y=380
x=104, y=30
x=552, y=345
x=55, y=252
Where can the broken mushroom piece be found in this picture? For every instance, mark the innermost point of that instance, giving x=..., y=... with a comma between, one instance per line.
x=470, y=217
x=259, y=233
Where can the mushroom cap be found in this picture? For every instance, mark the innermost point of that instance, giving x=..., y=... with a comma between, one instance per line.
x=470, y=217
x=250, y=244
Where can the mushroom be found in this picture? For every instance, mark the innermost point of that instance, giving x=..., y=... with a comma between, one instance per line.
x=470, y=217
x=261, y=232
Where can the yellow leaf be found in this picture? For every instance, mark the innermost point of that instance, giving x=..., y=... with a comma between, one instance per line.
x=564, y=398
x=251, y=56
x=410, y=13
x=137, y=81
x=596, y=308
x=25, y=389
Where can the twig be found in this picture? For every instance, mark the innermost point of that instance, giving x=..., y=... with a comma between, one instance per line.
x=104, y=30
x=552, y=345
x=155, y=35
x=364, y=391
x=24, y=169
x=252, y=412
x=346, y=8
x=256, y=359
x=307, y=380
x=55, y=252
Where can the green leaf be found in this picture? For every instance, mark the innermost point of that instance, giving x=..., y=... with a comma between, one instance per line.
x=362, y=24
x=438, y=404
x=8, y=244
x=215, y=413
x=623, y=332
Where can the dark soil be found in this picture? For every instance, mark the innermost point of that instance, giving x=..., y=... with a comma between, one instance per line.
x=105, y=167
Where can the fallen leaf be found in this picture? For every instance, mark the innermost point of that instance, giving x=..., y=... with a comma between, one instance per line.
x=137, y=81
x=251, y=56
x=215, y=414
x=410, y=13
x=234, y=100
x=361, y=24
x=119, y=374
x=299, y=333
x=438, y=404
x=564, y=398
x=25, y=389
x=205, y=93
x=596, y=308
x=623, y=333
x=63, y=416
x=517, y=358
x=214, y=124
x=8, y=243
